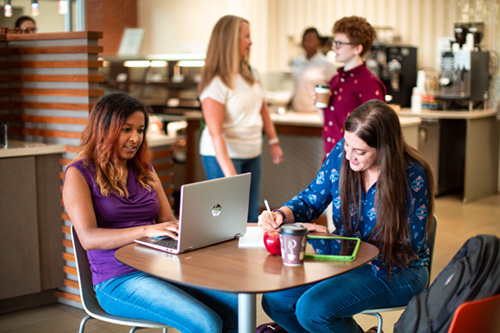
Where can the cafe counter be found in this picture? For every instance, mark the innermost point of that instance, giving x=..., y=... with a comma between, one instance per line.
x=300, y=135
x=30, y=241
x=467, y=149
x=301, y=140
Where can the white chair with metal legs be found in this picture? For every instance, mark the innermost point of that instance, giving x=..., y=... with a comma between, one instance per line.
x=430, y=243
x=89, y=301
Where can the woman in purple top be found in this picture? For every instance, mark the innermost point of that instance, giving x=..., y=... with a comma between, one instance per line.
x=354, y=84
x=113, y=196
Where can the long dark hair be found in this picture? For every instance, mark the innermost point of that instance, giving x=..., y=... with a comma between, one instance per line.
x=377, y=124
x=98, y=142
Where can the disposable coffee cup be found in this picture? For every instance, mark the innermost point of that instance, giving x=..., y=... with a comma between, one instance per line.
x=3, y=135
x=293, y=239
x=322, y=96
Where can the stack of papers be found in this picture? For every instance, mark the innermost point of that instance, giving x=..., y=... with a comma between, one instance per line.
x=253, y=238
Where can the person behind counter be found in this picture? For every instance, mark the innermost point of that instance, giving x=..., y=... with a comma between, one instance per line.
x=25, y=24
x=233, y=106
x=382, y=193
x=353, y=84
x=113, y=196
x=308, y=70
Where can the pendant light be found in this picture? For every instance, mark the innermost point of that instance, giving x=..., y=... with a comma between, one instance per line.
x=34, y=7
x=7, y=8
x=63, y=6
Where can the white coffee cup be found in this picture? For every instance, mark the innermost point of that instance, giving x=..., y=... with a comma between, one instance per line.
x=322, y=96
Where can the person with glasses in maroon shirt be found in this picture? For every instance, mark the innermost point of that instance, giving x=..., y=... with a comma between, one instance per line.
x=353, y=84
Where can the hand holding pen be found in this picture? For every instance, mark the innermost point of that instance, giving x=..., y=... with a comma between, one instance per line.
x=267, y=223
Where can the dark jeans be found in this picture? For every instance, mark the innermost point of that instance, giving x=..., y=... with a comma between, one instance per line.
x=329, y=305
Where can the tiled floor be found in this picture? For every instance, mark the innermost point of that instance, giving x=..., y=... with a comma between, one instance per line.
x=456, y=224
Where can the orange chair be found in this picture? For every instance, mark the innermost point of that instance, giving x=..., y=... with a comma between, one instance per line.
x=477, y=316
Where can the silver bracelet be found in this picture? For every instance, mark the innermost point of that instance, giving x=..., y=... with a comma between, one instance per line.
x=274, y=141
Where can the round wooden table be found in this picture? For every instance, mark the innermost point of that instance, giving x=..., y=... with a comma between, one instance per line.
x=246, y=271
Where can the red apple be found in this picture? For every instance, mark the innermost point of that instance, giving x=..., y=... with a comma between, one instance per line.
x=272, y=242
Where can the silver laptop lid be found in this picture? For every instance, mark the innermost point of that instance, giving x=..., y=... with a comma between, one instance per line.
x=213, y=211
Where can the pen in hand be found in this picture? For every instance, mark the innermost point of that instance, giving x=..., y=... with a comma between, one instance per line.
x=268, y=209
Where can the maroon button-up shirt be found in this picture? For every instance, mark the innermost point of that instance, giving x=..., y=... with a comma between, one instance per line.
x=349, y=90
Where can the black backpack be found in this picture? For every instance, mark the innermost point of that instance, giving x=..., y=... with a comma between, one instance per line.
x=472, y=274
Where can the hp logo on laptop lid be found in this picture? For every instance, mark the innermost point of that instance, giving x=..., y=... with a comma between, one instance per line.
x=216, y=210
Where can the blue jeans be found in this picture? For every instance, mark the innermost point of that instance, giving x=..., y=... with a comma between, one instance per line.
x=242, y=165
x=328, y=305
x=141, y=296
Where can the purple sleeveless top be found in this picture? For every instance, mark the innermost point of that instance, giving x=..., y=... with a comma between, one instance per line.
x=140, y=208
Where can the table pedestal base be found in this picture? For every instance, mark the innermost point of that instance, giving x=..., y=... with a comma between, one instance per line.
x=246, y=313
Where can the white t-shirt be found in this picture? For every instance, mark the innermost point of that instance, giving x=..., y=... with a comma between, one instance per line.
x=242, y=127
x=307, y=73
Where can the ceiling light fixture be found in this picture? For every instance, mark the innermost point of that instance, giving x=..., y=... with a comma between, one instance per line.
x=63, y=7
x=34, y=8
x=7, y=9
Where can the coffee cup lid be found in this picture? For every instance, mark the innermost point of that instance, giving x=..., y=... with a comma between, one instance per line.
x=293, y=230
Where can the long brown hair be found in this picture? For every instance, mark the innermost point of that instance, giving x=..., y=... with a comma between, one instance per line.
x=377, y=124
x=98, y=143
x=223, y=57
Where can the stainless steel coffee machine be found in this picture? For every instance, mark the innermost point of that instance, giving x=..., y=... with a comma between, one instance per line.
x=464, y=79
x=396, y=67
x=465, y=76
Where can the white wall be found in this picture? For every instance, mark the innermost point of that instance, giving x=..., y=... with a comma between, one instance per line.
x=178, y=26
x=174, y=26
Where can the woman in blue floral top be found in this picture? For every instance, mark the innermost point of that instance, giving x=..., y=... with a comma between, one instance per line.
x=382, y=192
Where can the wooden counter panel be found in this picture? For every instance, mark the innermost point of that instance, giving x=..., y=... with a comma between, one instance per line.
x=299, y=130
x=52, y=64
x=52, y=50
x=52, y=78
x=50, y=106
x=19, y=244
x=54, y=92
x=49, y=235
x=48, y=119
x=54, y=36
x=45, y=133
x=50, y=60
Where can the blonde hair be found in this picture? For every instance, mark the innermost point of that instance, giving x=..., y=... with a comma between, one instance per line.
x=223, y=56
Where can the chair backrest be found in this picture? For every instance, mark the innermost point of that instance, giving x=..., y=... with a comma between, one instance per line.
x=431, y=239
x=477, y=316
x=87, y=294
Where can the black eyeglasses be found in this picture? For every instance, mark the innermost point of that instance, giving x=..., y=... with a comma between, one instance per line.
x=338, y=44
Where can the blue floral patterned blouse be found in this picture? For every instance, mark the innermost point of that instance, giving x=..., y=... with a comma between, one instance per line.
x=310, y=203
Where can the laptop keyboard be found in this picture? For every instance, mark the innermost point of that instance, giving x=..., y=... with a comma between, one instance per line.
x=167, y=242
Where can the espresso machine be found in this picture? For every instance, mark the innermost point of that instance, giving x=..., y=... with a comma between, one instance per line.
x=465, y=77
x=396, y=67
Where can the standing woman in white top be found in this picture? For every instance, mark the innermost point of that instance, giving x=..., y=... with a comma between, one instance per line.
x=308, y=70
x=234, y=110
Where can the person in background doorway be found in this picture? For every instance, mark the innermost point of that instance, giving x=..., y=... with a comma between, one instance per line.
x=382, y=192
x=308, y=70
x=354, y=83
x=234, y=109
x=25, y=24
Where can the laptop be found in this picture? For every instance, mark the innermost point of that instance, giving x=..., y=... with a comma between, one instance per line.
x=211, y=212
